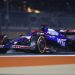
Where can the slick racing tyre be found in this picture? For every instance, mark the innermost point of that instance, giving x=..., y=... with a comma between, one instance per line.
x=41, y=44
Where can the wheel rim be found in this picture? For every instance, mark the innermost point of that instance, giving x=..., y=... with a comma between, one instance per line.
x=41, y=44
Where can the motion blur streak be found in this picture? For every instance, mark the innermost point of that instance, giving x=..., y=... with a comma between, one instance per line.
x=44, y=70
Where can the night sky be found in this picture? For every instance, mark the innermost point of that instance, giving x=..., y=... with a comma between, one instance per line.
x=43, y=5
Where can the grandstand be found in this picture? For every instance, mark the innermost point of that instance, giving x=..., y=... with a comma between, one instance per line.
x=14, y=20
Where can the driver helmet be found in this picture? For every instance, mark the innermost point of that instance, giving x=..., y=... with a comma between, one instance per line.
x=44, y=27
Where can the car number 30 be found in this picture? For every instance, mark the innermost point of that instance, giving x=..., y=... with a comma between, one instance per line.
x=61, y=41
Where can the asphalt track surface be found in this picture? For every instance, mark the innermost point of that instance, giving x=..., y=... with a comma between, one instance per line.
x=13, y=52
x=28, y=53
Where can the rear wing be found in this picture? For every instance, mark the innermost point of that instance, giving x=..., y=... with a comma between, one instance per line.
x=67, y=32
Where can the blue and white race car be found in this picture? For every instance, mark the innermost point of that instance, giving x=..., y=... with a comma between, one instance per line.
x=40, y=41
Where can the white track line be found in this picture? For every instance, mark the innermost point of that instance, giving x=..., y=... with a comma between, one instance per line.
x=35, y=55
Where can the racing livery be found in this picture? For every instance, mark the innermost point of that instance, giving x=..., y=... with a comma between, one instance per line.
x=40, y=41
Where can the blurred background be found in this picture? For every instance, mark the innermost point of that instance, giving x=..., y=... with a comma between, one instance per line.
x=21, y=16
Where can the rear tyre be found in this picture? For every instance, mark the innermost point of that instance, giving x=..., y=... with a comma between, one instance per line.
x=40, y=44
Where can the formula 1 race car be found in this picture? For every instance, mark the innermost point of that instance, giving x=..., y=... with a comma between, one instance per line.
x=40, y=41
